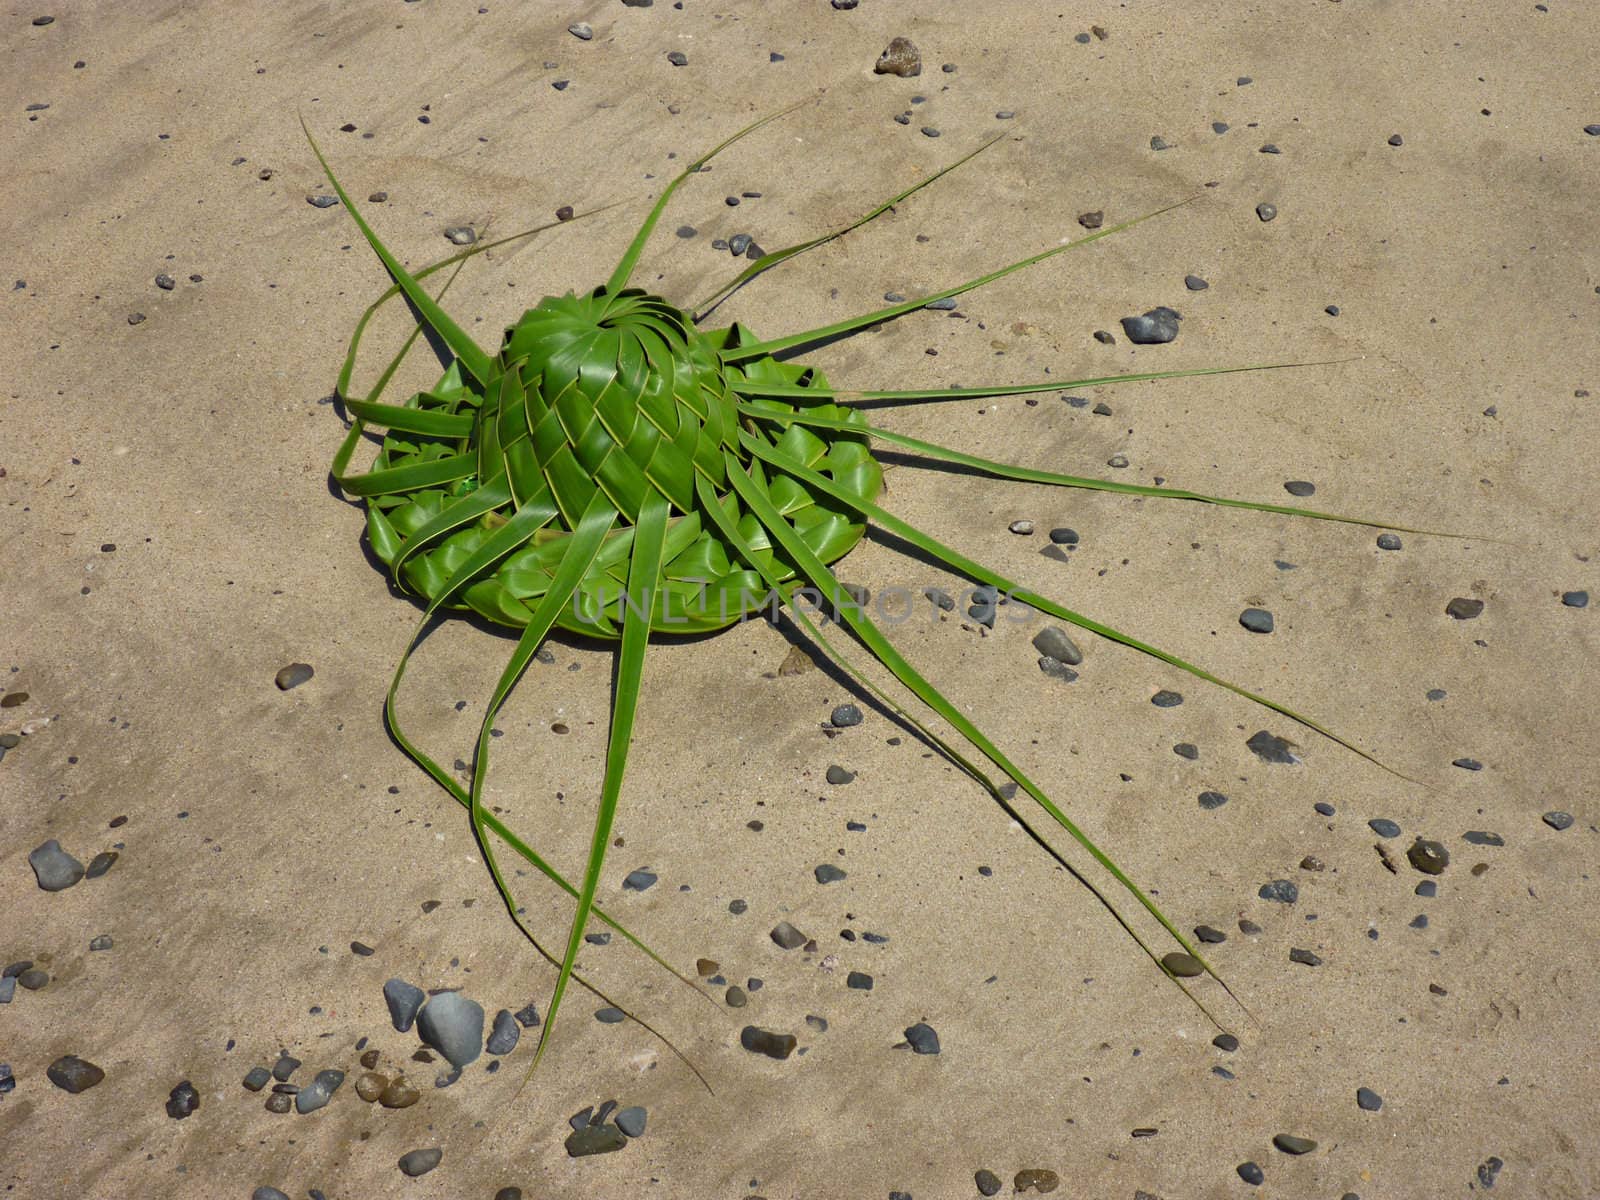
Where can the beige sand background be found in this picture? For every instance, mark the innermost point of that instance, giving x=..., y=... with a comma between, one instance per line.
x=264, y=826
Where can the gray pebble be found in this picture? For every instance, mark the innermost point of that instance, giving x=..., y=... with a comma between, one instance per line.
x=1304, y=958
x=1368, y=1100
x=735, y=997
x=1270, y=148
x=1187, y=750
x=1557, y=820
x=1160, y=143
x=1211, y=801
x=739, y=243
x=610, y=1016
x=452, y=1025
x=987, y=1181
x=1265, y=211
x=1467, y=764
x=787, y=936
x=1482, y=837
x=33, y=979
x=1256, y=620
x=267, y=1193
x=858, y=981
x=922, y=1039
x=639, y=881
x=1283, y=891
x=1155, y=327
x=100, y=864
x=100, y=942
x=1219, y=127
x=1064, y=536
x=505, y=1034
x=166, y=282
x=1464, y=609
x=322, y=201
x=527, y=1016
x=1226, y=1042
x=1053, y=642
x=945, y=304
x=1489, y=1169
x=1023, y=527
x=1210, y=936
x=837, y=776
x=845, y=716
x=581, y=30
x=678, y=58
x=1250, y=1173
x=53, y=867
x=631, y=1121
x=73, y=1074
x=1290, y=1144
x=1300, y=487
x=1056, y=669
x=1194, y=283
x=405, y=1001
x=293, y=676
x=1384, y=827
x=286, y=1066
x=1575, y=599
x=318, y=1092
x=1272, y=749
x=461, y=235
x=1167, y=699
x=686, y=231
x=182, y=1101
x=1592, y=130
x=1389, y=541
x=257, y=1078
x=1396, y=140
x=764, y=1041
x=828, y=873
x=420, y=1162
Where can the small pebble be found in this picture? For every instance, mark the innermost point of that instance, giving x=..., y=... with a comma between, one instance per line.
x=405, y=1000
x=1256, y=620
x=461, y=235
x=399, y=1094
x=787, y=936
x=323, y=201
x=1021, y=527
x=735, y=997
x=286, y=1066
x=318, y=1092
x=639, y=881
x=53, y=868
x=100, y=942
x=452, y=1025
x=267, y=1193
x=1159, y=143
x=922, y=1039
x=764, y=1041
x=837, y=776
x=371, y=1085
x=610, y=1016
x=1211, y=801
x=631, y=1121
x=1467, y=764
x=1290, y=1144
x=581, y=30
x=1167, y=699
x=1036, y=1179
x=1388, y=541
x=987, y=1181
x=858, y=981
x=1464, y=609
x=678, y=58
x=420, y=1162
x=1185, y=966
x=900, y=58
x=1250, y=1173
x=1300, y=487
x=1064, y=536
x=1575, y=599
x=1225, y=1042
x=1053, y=642
x=1270, y=748
x=1482, y=837
x=827, y=873
x=166, y=282
x=182, y=1101
x=257, y=1078
x=1489, y=1169
x=1368, y=1100
x=1304, y=958
x=1194, y=283
x=1558, y=820
x=506, y=1033
x=1430, y=858
x=1396, y=140
x=845, y=716
x=1283, y=891
x=293, y=676
x=1209, y=936
x=1154, y=328
x=1384, y=827
x=73, y=1074
x=1266, y=212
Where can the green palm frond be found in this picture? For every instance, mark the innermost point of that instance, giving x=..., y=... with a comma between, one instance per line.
x=614, y=470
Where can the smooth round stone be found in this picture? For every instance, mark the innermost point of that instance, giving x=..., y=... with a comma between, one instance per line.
x=1291, y=1144
x=1225, y=1042
x=610, y=1016
x=452, y=1025
x=318, y=1092
x=1384, y=827
x=1558, y=820
x=33, y=979
x=1300, y=487
x=1052, y=642
x=257, y=1078
x=844, y=716
x=1251, y=1174
x=1064, y=536
x=505, y=1034
x=1021, y=527
x=837, y=776
x=1430, y=858
x=371, y=1085
x=1323, y=807
x=1281, y=891
x=1166, y=699
x=1266, y=211
x=858, y=981
x=1256, y=620
x=631, y=1121
x=279, y=1103
x=405, y=1000
x=293, y=676
x=420, y=1162
x=1210, y=936
x=1389, y=541
x=787, y=936
x=1036, y=1179
x=735, y=996
x=53, y=867
x=1575, y=599
x=988, y=1183
x=1185, y=966
x=508, y=1193
x=1368, y=1100
x=399, y=1094
x=581, y=30
x=73, y=1074
x=595, y=1139
x=267, y=1193
x=1187, y=750
x=922, y=1039
x=1427, y=889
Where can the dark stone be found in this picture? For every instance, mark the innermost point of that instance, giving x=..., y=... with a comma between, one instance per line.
x=1558, y=820
x=1250, y=1173
x=1430, y=858
x=1464, y=609
x=987, y=1181
x=1211, y=801
x=632, y=1121
x=1304, y=957
x=1156, y=327
x=1283, y=891
x=1270, y=748
x=787, y=936
x=420, y=1162
x=764, y=1041
x=182, y=1101
x=1256, y=620
x=1482, y=837
x=922, y=1039
x=1290, y=1144
x=1384, y=827
x=293, y=676
x=828, y=873
x=73, y=1074
x=1368, y=1100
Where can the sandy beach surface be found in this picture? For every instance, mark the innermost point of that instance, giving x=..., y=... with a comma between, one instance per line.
x=175, y=314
